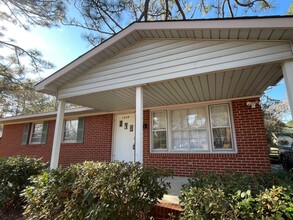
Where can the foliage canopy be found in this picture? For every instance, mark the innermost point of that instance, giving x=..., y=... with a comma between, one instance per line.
x=102, y=18
x=17, y=62
x=274, y=113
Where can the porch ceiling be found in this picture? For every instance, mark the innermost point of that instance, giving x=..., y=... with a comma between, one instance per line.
x=236, y=83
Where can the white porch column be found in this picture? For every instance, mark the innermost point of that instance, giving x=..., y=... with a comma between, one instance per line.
x=288, y=76
x=57, y=135
x=139, y=125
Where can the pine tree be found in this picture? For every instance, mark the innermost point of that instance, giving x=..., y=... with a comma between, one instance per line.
x=15, y=61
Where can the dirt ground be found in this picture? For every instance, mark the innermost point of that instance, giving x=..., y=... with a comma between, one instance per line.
x=16, y=215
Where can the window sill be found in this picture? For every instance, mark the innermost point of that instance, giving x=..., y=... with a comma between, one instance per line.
x=69, y=142
x=198, y=152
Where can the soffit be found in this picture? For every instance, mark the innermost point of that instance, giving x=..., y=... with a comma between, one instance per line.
x=252, y=81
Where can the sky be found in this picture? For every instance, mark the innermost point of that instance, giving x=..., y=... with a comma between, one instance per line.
x=61, y=45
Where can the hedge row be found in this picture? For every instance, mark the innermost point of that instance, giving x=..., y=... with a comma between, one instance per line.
x=95, y=191
x=14, y=177
x=103, y=191
x=238, y=196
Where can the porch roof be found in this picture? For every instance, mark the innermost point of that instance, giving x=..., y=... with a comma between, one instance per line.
x=269, y=39
x=245, y=28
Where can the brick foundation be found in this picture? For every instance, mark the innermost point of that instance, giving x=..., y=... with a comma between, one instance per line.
x=167, y=211
x=252, y=155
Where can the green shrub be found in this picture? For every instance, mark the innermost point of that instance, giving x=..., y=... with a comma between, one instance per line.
x=95, y=191
x=238, y=196
x=274, y=203
x=230, y=181
x=204, y=203
x=14, y=177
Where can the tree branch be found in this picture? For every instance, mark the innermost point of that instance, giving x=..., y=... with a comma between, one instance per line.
x=70, y=23
x=144, y=14
x=15, y=16
x=180, y=9
x=106, y=22
x=223, y=8
x=110, y=17
x=41, y=12
x=167, y=10
x=230, y=8
x=251, y=3
x=36, y=62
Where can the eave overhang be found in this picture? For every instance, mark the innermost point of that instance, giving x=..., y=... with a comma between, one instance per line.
x=76, y=112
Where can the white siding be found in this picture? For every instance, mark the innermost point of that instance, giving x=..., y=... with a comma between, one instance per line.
x=151, y=61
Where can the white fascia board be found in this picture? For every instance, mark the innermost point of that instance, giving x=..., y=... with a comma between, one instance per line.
x=47, y=90
x=242, y=23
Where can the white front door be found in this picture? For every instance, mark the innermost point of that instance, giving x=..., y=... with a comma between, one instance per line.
x=124, y=131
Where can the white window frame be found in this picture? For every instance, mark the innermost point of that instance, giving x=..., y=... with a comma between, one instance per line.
x=1, y=130
x=63, y=131
x=231, y=130
x=167, y=128
x=170, y=130
x=211, y=149
x=32, y=132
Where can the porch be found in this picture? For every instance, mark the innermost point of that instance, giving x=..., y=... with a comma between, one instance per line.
x=158, y=65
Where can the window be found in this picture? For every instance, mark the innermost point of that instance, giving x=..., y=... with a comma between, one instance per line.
x=70, y=130
x=189, y=130
x=159, y=133
x=73, y=131
x=221, y=127
x=196, y=129
x=36, y=133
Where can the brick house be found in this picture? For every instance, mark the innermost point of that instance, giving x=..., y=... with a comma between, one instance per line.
x=180, y=94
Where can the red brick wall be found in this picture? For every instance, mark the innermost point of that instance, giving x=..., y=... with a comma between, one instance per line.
x=11, y=143
x=96, y=146
x=252, y=156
